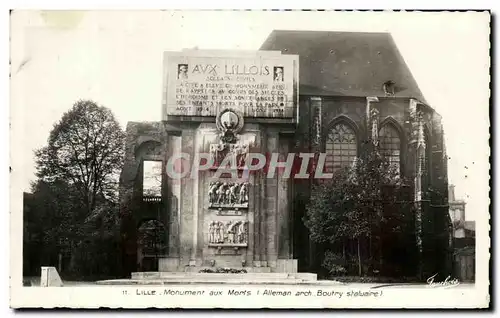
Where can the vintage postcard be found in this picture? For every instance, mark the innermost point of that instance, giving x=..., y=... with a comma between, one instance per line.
x=249, y=159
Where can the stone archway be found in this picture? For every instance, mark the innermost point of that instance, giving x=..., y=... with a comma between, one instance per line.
x=151, y=244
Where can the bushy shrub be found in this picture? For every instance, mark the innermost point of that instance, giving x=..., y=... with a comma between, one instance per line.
x=334, y=263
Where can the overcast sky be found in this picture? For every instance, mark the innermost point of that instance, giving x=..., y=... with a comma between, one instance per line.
x=115, y=59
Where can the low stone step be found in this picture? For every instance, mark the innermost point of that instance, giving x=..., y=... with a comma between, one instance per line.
x=193, y=274
x=161, y=282
x=224, y=276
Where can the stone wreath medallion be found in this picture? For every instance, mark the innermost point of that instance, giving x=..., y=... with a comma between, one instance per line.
x=229, y=122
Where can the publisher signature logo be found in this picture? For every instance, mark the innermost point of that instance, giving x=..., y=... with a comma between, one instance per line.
x=448, y=282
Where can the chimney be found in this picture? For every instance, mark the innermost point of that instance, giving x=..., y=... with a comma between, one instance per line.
x=451, y=193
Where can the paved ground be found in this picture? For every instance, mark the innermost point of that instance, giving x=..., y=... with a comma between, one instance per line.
x=35, y=281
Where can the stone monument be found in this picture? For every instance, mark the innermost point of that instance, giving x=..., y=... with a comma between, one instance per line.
x=226, y=104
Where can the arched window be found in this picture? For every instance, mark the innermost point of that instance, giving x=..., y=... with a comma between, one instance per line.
x=390, y=144
x=341, y=147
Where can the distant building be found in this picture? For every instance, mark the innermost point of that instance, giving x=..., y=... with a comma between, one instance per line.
x=464, y=238
x=461, y=228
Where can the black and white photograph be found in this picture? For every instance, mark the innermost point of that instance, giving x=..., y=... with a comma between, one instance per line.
x=296, y=159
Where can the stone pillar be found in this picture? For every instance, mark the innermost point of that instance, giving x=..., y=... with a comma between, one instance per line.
x=262, y=205
x=172, y=196
x=196, y=196
x=271, y=201
x=255, y=205
x=187, y=252
x=283, y=211
x=206, y=135
x=369, y=101
x=173, y=189
x=254, y=240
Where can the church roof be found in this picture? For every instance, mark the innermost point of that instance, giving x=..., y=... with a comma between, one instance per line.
x=346, y=63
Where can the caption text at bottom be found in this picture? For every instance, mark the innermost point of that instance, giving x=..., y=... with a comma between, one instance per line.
x=257, y=292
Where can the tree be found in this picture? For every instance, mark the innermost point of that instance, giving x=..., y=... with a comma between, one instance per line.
x=77, y=186
x=52, y=219
x=85, y=149
x=350, y=207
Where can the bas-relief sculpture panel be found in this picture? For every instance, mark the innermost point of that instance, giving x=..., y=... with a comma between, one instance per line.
x=228, y=226
x=228, y=194
x=230, y=152
x=232, y=233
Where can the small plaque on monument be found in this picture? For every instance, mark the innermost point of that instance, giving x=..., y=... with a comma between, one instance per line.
x=235, y=212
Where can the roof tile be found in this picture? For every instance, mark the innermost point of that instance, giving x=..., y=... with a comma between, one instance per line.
x=346, y=63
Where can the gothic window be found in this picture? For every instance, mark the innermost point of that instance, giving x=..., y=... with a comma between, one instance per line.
x=341, y=147
x=390, y=144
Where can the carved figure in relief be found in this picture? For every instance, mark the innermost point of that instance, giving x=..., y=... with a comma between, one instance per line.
x=182, y=71
x=211, y=232
x=241, y=232
x=212, y=192
x=241, y=153
x=243, y=193
x=233, y=194
x=221, y=192
x=227, y=198
x=232, y=156
x=278, y=73
x=221, y=232
x=217, y=238
x=230, y=232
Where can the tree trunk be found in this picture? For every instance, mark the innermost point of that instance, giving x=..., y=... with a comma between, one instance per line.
x=72, y=262
x=359, y=259
x=59, y=265
x=380, y=242
x=370, y=246
x=73, y=259
x=381, y=253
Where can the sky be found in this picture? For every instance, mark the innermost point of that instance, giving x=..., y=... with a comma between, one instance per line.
x=115, y=59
